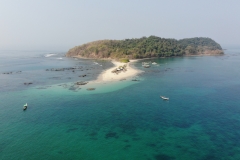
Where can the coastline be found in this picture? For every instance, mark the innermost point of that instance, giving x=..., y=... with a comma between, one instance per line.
x=109, y=76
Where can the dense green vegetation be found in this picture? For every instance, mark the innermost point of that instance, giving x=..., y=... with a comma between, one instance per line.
x=124, y=60
x=146, y=47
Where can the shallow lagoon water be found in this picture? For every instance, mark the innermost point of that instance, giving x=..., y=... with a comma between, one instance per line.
x=125, y=119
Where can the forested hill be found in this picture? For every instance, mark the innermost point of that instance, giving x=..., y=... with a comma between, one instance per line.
x=145, y=47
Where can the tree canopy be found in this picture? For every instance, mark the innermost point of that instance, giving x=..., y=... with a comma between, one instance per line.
x=146, y=47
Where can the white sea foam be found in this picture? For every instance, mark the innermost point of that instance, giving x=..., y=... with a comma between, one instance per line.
x=97, y=63
x=49, y=55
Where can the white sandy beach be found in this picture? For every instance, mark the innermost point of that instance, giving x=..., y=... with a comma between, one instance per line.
x=107, y=75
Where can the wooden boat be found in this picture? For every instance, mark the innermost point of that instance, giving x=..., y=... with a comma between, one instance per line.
x=25, y=106
x=164, y=98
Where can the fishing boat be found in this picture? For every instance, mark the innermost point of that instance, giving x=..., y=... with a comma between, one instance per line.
x=164, y=98
x=154, y=63
x=25, y=106
x=145, y=64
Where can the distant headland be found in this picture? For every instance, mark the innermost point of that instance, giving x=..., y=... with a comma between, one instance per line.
x=146, y=47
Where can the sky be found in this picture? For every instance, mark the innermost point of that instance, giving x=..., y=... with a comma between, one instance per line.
x=59, y=25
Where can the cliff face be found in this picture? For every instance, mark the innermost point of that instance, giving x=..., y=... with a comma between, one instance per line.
x=145, y=47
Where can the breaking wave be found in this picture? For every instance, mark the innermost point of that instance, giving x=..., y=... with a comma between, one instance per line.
x=49, y=55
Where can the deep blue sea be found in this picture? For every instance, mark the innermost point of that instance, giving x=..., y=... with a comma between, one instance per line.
x=125, y=120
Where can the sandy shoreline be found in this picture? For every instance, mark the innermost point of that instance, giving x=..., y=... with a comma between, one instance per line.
x=107, y=75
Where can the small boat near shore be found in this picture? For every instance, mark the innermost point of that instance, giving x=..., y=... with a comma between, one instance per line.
x=164, y=98
x=145, y=64
x=25, y=106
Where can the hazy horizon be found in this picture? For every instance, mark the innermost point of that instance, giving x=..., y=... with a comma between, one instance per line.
x=61, y=25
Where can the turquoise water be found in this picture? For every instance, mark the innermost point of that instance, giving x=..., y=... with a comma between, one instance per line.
x=126, y=119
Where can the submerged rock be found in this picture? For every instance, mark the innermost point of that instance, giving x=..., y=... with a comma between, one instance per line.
x=91, y=89
x=55, y=78
x=8, y=73
x=28, y=83
x=111, y=135
x=61, y=69
x=81, y=83
x=41, y=88
x=64, y=85
x=74, y=88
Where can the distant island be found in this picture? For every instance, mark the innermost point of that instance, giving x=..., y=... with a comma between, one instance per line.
x=146, y=47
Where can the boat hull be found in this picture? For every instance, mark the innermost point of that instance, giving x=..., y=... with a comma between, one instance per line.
x=25, y=107
x=164, y=98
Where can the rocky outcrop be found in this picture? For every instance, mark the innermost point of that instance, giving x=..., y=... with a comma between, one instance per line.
x=28, y=83
x=12, y=72
x=91, y=89
x=81, y=83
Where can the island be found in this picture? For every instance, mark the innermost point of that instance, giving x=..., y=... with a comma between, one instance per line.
x=146, y=47
x=130, y=50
